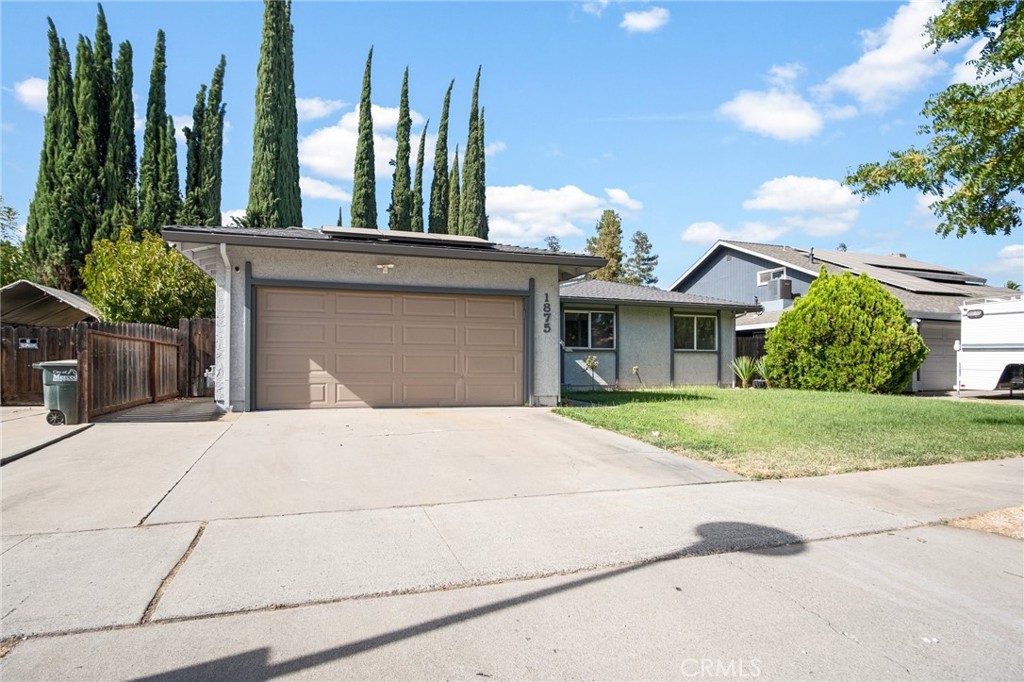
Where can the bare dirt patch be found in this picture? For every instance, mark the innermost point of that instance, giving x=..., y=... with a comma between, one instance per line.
x=1008, y=522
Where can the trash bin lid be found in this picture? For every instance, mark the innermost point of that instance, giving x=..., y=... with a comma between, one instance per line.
x=55, y=364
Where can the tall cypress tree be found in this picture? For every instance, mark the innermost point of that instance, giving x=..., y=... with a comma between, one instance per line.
x=170, y=194
x=400, y=217
x=213, y=146
x=193, y=208
x=85, y=169
x=103, y=73
x=417, y=186
x=483, y=229
x=438, y=220
x=471, y=210
x=49, y=228
x=120, y=199
x=454, y=198
x=274, y=196
x=364, y=184
x=151, y=210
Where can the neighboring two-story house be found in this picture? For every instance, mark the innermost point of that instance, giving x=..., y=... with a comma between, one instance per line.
x=773, y=276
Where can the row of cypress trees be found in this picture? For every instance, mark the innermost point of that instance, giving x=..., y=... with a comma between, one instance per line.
x=454, y=208
x=89, y=186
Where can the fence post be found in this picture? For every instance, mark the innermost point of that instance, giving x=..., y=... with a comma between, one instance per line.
x=84, y=378
x=184, y=326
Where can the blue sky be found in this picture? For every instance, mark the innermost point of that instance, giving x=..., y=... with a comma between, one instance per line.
x=693, y=120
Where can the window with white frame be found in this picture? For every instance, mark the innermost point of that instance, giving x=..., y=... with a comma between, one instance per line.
x=695, y=332
x=765, y=276
x=589, y=329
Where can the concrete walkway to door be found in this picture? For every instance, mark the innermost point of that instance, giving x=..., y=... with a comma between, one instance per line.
x=293, y=462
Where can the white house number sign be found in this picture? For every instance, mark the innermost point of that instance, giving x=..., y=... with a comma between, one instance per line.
x=546, y=308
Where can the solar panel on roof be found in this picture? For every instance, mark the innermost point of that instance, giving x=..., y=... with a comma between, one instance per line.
x=369, y=234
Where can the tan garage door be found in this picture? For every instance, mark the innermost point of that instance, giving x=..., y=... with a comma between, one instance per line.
x=333, y=348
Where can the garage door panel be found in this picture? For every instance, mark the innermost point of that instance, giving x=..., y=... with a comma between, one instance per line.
x=430, y=363
x=424, y=335
x=502, y=309
x=352, y=363
x=387, y=349
x=432, y=307
x=356, y=332
x=296, y=302
x=350, y=303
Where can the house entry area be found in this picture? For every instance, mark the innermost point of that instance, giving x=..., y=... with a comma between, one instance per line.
x=368, y=348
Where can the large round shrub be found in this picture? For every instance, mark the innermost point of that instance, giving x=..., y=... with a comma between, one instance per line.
x=847, y=334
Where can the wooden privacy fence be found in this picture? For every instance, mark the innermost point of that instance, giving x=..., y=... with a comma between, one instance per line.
x=120, y=365
x=752, y=346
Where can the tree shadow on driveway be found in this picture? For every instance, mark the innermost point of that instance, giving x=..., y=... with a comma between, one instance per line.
x=716, y=538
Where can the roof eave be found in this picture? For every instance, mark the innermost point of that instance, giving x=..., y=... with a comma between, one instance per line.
x=750, y=252
x=659, y=304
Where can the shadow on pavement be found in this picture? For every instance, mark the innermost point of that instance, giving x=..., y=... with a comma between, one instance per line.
x=716, y=538
x=178, y=410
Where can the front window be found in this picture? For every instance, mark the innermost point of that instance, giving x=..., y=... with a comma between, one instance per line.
x=590, y=329
x=695, y=332
x=765, y=276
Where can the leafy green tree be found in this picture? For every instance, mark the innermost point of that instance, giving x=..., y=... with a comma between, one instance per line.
x=50, y=229
x=417, y=185
x=973, y=162
x=85, y=169
x=846, y=334
x=438, y=219
x=400, y=211
x=145, y=281
x=1010, y=284
x=14, y=264
x=274, y=196
x=454, y=196
x=120, y=198
x=552, y=244
x=364, y=183
x=639, y=268
x=152, y=211
x=608, y=245
x=213, y=146
x=472, y=214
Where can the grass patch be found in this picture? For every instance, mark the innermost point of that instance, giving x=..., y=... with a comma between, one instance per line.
x=783, y=433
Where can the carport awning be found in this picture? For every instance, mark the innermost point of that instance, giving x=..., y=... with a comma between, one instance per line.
x=35, y=305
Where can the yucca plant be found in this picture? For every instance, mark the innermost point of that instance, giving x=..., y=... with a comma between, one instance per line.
x=761, y=368
x=744, y=367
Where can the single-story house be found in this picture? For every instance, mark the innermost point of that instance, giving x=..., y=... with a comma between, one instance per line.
x=342, y=317
x=641, y=335
x=34, y=305
x=773, y=276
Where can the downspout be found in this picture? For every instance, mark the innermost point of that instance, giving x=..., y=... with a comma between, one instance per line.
x=225, y=372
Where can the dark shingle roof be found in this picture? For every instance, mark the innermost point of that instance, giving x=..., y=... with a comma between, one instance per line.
x=616, y=292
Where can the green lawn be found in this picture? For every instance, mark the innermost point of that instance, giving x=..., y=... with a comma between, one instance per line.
x=780, y=433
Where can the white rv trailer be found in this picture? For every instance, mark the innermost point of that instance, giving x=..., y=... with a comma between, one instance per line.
x=990, y=355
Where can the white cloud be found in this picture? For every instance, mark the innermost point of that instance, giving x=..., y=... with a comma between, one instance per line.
x=318, y=189
x=823, y=225
x=226, y=216
x=794, y=193
x=32, y=93
x=646, y=21
x=331, y=151
x=620, y=197
x=776, y=113
x=966, y=72
x=895, y=60
x=521, y=213
x=783, y=75
x=495, y=147
x=311, y=108
x=708, y=232
x=181, y=122
x=140, y=124
x=595, y=7
x=7, y=127
x=1009, y=261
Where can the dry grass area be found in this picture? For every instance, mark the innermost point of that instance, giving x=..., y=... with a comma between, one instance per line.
x=1008, y=522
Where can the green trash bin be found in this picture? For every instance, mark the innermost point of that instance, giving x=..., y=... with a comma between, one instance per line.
x=60, y=390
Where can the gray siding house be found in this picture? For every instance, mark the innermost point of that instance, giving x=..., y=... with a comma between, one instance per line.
x=773, y=276
x=668, y=337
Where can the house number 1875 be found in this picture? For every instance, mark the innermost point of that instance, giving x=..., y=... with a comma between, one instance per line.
x=547, y=314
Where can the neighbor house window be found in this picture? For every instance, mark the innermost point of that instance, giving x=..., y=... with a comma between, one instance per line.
x=589, y=329
x=695, y=332
x=765, y=276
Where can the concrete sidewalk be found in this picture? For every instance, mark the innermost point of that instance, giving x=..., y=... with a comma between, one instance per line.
x=23, y=430
x=237, y=565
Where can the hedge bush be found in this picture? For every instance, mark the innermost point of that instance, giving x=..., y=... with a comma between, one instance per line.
x=847, y=334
